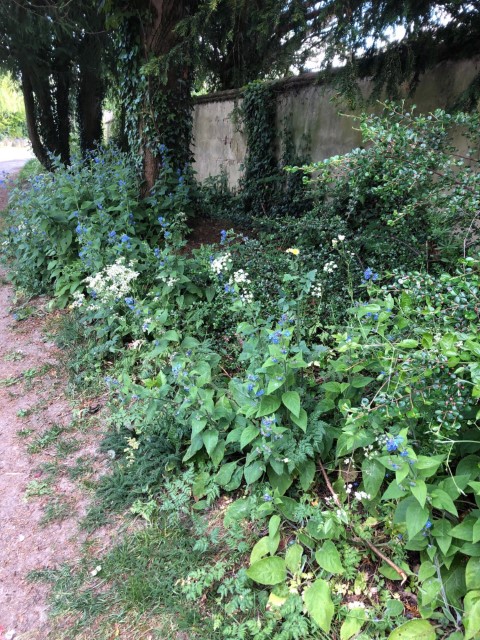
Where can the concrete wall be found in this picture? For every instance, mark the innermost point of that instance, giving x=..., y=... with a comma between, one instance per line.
x=309, y=106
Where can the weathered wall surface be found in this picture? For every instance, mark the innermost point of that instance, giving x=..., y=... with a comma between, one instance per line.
x=311, y=111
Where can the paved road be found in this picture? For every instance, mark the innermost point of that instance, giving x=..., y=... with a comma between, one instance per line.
x=13, y=158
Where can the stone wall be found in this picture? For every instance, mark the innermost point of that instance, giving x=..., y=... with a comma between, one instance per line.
x=308, y=104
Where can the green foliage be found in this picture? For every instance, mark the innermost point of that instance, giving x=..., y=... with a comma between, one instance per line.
x=12, y=125
x=347, y=456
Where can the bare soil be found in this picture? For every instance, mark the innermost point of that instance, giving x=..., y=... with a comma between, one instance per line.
x=32, y=399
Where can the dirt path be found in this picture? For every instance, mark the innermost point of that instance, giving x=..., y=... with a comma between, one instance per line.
x=32, y=401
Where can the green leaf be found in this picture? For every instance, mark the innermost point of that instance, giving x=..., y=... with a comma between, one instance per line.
x=291, y=400
x=319, y=605
x=353, y=623
x=293, y=558
x=416, y=517
x=210, y=439
x=253, y=472
x=274, y=525
x=248, y=434
x=301, y=421
x=360, y=381
x=373, y=474
x=471, y=619
x=414, y=630
x=268, y=571
x=225, y=473
x=419, y=490
x=427, y=570
x=332, y=387
x=328, y=558
x=260, y=550
x=407, y=344
x=472, y=574
x=441, y=500
x=268, y=405
x=307, y=474
x=171, y=336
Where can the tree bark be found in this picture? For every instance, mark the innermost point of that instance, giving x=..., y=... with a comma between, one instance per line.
x=28, y=99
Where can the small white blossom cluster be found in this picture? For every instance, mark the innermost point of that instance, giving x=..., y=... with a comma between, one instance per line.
x=361, y=495
x=330, y=266
x=317, y=290
x=113, y=282
x=240, y=277
x=221, y=263
x=338, y=239
x=368, y=451
x=246, y=297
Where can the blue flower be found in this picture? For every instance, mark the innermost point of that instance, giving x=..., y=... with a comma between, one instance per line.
x=428, y=524
x=267, y=497
x=130, y=302
x=124, y=238
x=250, y=388
x=260, y=393
x=121, y=183
x=156, y=252
x=167, y=234
x=223, y=236
x=393, y=443
x=112, y=234
x=229, y=289
x=368, y=274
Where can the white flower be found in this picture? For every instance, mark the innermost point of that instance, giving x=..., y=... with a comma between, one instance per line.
x=220, y=264
x=240, y=277
x=330, y=266
x=317, y=290
x=341, y=238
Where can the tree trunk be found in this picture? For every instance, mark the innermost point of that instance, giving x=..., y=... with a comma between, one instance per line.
x=28, y=99
x=91, y=91
x=166, y=118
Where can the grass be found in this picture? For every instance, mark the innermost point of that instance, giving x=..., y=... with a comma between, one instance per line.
x=29, y=170
x=136, y=586
x=57, y=509
x=45, y=439
x=14, y=356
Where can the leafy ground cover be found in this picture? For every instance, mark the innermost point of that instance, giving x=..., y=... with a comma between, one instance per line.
x=296, y=404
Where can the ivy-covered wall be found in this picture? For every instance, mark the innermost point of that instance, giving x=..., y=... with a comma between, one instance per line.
x=308, y=104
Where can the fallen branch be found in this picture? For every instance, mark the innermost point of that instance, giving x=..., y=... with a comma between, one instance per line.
x=370, y=545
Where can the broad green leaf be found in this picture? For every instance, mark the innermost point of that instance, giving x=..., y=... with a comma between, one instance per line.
x=409, y=343
x=171, y=336
x=471, y=619
x=268, y=571
x=268, y=405
x=464, y=530
x=274, y=525
x=293, y=558
x=260, y=550
x=225, y=473
x=291, y=400
x=416, y=518
x=301, y=421
x=332, y=387
x=328, y=558
x=360, y=381
x=353, y=623
x=441, y=500
x=373, y=474
x=419, y=490
x=307, y=474
x=248, y=434
x=427, y=570
x=414, y=630
x=210, y=439
x=253, y=472
x=472, y=574
x=319, y=605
